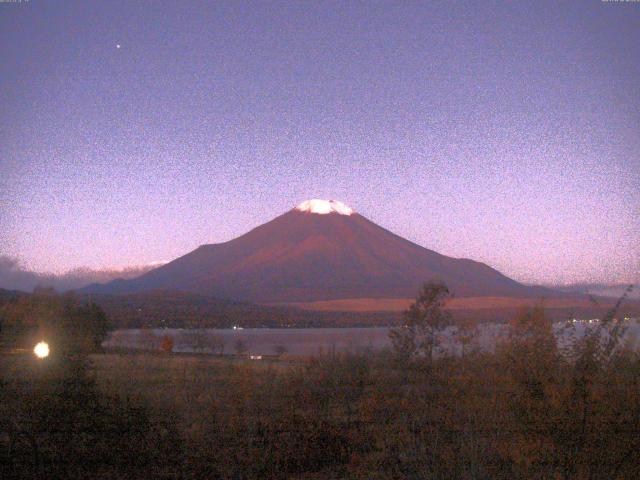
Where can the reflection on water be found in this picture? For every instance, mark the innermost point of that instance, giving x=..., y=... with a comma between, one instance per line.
x=312, y=341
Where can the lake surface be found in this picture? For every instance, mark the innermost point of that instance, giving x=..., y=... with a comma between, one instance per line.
x=314, y=341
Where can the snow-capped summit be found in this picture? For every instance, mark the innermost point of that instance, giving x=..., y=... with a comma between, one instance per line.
x=324, y=207
x=332, y=255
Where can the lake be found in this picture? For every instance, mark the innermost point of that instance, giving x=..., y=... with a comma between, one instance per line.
x=314, y=341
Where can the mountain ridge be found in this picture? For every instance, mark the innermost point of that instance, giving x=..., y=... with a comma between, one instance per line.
x=307, y=255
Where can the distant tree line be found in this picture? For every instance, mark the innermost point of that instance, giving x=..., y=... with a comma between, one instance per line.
x=181, y=310
x=63, y=320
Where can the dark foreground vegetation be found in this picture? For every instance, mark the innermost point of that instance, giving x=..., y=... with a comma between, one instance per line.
x=529, y=410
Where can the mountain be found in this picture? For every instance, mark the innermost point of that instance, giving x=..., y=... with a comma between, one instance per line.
x=615, y=290
x=320, y=250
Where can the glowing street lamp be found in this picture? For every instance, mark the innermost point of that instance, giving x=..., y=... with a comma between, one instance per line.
x=41, y=350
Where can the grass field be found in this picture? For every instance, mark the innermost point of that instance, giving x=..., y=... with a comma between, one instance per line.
x=466, y=303
x=346, y=416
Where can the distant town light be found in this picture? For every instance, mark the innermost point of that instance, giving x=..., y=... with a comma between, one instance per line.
x=41, y=350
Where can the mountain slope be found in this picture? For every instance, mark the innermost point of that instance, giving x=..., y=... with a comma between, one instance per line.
x=319, y=251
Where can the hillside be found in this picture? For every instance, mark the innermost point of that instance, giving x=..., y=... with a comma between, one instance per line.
x=320, y=250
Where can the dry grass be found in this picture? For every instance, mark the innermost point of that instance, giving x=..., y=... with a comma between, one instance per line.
x=467, y=303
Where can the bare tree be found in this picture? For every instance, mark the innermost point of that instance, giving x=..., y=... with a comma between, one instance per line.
x=424, y=322
x=240, y=347
x=198, y=340
x=466, y=331
x=217, y=344
x=148, y=339
x=280, y=350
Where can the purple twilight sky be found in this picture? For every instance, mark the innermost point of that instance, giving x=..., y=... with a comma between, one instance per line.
x=506, y=132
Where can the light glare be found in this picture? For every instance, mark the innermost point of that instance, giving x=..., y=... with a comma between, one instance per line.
x=41, y=350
